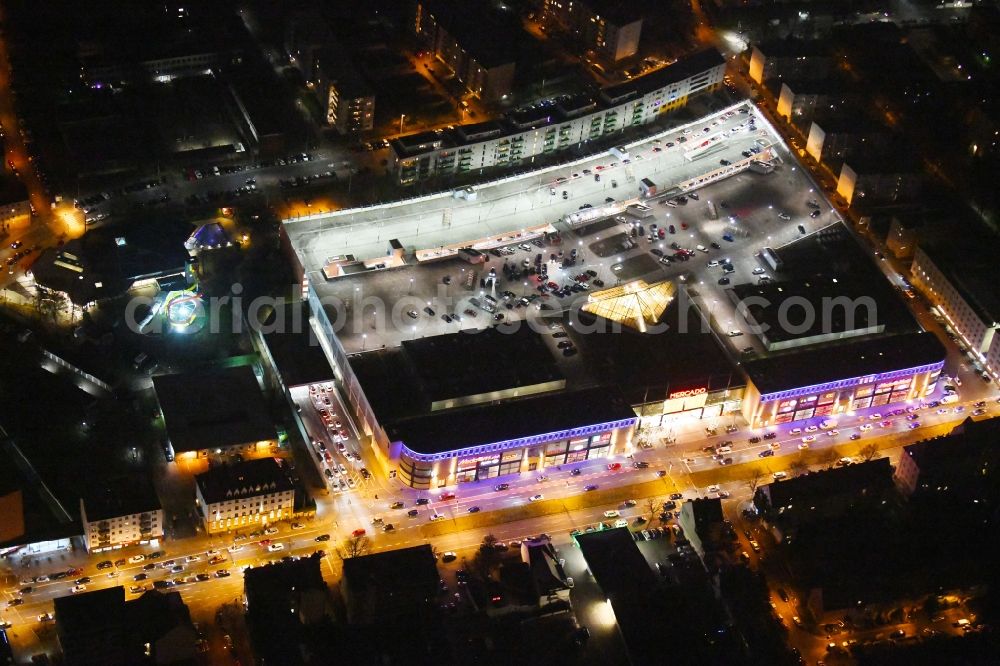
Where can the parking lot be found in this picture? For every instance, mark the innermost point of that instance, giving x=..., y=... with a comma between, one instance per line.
x=333, y=443
x=603, y=239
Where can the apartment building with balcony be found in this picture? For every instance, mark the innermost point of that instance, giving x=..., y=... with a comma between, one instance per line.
x=121, y=512
x=348, y=99
x=521, y=137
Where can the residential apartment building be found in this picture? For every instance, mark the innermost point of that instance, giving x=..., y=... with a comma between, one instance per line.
x=521, y=137
x=800, y=100
x=964, y=293
x=836, y=137
x=874, y=179
x=250, y=493
x=476, y=41
x=348, y=99
x=612, y=29
x=122, y=512
x=790, y=58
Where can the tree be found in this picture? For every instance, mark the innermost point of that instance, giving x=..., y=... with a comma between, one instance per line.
x=754, y=480
x=868, y=451
x=652, y=507
x=828, y=456
x=799, y=466
x=487, y=559
x=489, y=542
x=356, y=546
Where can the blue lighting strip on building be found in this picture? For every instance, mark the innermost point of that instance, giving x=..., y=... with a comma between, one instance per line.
x=519, y=442
x=847, y=383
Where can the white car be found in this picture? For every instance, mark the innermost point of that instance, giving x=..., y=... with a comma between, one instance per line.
x=271, y=530
x=79, y=588
x=779, y=475
x=865, y=427
x=275, y=547
x=136, y=559
x=803, y=446
x=611, y=514
x=535, y=498
x=235, y=549
x=795, y=431
x=436, y=516
x=808, y=439
x=812, y=428
x=832, y=433
x=192, y=558
x=713, y=489
x=621, y=522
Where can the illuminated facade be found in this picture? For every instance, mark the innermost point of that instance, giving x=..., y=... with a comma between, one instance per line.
x=525, y=454
x=965, y=294
x=502, y=143
x=839, y=397
x=124, y=512
x=256, y=492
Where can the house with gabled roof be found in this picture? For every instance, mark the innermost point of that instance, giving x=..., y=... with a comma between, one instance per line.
x=248, y=494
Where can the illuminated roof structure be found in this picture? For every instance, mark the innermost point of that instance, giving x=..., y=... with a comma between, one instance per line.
x=635, y=304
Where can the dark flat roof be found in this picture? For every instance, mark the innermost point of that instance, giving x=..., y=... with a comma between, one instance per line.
x=828, y=363
x=818, y=292
x=480, y=361
x=625, y=579
x=213, y=408
x=294, y=347
x=832, y=252
x=794, y=47
x=822, y=485
x=120, y=497
x=473, y=426
x=648, y=366
x=413, y=568
x=680, y=70
x=12, y=190
x=246, y=479
x=110, y=259
x=91, y=611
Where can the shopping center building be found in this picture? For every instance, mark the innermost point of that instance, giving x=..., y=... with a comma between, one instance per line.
x=469, y=406
x=832, y=380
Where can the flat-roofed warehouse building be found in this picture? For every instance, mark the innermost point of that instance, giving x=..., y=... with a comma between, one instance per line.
x=217, y=410
x=464, y=407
